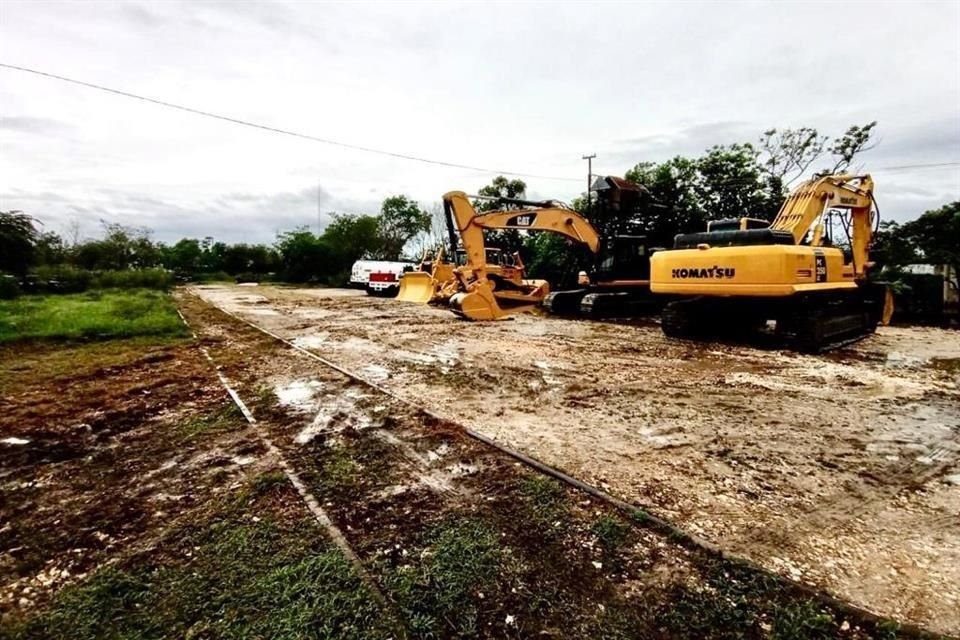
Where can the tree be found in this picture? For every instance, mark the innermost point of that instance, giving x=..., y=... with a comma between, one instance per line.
x=673, y=206
x=790, y=152
x=49, y=249
x=352, y=237
x=891, y=249
x=733, y=181
x=731, y=184
x=121, y=248
x=185, y=257
x=935, y=235
x=856, y=140
x=400, y=219
x=502, y=187
x=303, y=256
x=18, y=236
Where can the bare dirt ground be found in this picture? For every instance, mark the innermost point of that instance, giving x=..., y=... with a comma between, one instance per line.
x=841, y=470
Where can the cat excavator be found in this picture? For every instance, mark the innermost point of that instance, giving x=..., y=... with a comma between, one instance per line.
x=733, y=278
x=484, y=291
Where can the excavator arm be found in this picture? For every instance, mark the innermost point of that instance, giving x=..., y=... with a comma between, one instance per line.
x=470, y=225
x=806, y=205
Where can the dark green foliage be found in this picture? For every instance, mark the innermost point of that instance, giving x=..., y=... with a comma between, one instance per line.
x=803, y=620
x=735, y=180
x=9, y=287
x=303, y=256
x=400, y=219
x=935, y=236
x=17, y=238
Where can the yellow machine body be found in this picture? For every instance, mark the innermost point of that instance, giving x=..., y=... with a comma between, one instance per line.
x=761, y=270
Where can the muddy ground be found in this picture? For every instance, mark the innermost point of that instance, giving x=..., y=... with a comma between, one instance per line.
x=839, y=470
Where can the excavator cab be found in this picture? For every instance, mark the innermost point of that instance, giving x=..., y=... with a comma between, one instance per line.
x=623, y=258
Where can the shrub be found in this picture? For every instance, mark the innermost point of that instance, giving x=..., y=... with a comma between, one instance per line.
x=9, y=287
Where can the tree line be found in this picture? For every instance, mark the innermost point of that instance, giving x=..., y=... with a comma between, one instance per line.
x=38, y=258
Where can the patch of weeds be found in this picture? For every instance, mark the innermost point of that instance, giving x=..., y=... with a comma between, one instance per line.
x=239, y=579
x=339, y=470
x=611, y=533
x=887, y=630
x=266, y=482
x=226, y=418
x=725, y=598
x=440, y=594
x=546, y=502
x=801, y=621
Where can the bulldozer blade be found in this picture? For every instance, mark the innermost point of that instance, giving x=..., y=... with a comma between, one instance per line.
x=416, y=286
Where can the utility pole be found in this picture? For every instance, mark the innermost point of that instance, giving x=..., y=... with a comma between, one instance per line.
x=319, y=208
x=589, y=160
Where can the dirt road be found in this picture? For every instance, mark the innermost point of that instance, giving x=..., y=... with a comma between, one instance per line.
x=842, y=470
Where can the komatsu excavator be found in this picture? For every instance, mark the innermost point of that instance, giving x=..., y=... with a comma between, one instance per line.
x=488, y=293
x=733, y=280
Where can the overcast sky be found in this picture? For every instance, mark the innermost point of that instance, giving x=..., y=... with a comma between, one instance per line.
x=524, y=87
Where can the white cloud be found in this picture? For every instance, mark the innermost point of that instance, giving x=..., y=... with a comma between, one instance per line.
x=506, y=86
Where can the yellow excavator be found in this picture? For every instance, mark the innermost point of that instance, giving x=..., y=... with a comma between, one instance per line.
x=481, y=290
x=435, y=282
x=734, y=278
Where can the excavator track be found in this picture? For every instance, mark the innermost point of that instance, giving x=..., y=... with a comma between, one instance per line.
x=591, y=303
x=565, y=303
x=809, y=324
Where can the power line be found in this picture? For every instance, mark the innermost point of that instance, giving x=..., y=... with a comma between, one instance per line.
x=286, y=132
x=929, y=165
x=346, y=145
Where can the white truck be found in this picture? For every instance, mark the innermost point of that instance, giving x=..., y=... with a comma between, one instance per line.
x=379, y=277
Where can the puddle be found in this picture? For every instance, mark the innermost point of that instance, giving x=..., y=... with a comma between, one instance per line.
x=15, y=441
x=548, y=378
x=375, y=372
x=335, y=416
x=438, y=453
x=896, y=359
x=298, y=394
x=310, y=342
x=261, y=312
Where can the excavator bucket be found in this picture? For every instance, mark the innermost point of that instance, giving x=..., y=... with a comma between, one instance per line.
x=416, y=286
x=477, y=304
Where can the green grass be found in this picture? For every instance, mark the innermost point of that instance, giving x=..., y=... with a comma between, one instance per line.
x=220, y=421
x=95, y=315
x=612, y=533
x=546, y=504
x=437, y=595
x=234, y=577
